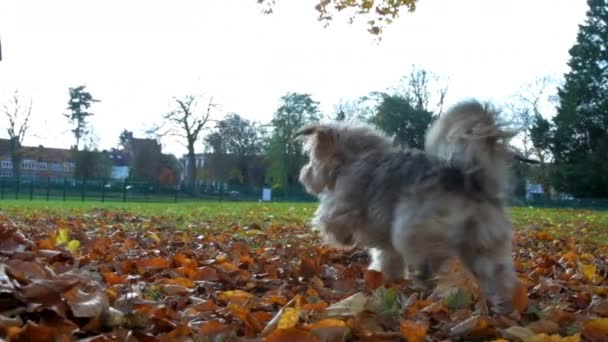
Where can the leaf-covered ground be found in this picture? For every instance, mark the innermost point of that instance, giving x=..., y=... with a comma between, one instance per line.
x=234, y=271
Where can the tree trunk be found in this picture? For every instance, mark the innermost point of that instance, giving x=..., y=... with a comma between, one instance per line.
x=192, y=168
x=15, y=148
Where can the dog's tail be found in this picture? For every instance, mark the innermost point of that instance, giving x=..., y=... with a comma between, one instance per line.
x=469, y=137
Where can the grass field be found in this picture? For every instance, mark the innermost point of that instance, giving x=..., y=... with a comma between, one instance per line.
x=218, y=271
x=589, y=225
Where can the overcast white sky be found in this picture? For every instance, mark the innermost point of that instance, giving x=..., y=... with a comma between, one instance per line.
x=135, y=55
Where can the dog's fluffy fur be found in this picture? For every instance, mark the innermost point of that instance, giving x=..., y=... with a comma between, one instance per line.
x=418, y=208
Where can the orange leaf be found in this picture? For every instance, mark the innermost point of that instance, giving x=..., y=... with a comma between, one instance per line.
x=205, y=306
x=291, y=335
x=543, y=236
x=373, y=279
x=413, y=332
x=180, y=331
x=520, y=297
x=228, y=267
x=112, y=278
x=153, y=263
x=182, y=260
x=179, y=281
x=187, y=272
x=329, y=329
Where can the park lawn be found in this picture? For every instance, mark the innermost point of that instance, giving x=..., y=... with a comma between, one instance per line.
x=213, y=271
x=585, y=225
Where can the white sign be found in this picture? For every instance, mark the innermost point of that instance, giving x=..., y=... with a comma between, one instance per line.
x=266, y=194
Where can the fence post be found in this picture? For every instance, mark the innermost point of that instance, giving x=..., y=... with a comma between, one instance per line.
x=103, y=191
x=32, y=189
x=82, y=189
x=48, y=188
x=18, y=186
x=176, y=192
x=124, y=190
x=65, y=185
x=2, y=185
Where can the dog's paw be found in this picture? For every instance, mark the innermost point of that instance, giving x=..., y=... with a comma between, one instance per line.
x=500, y=306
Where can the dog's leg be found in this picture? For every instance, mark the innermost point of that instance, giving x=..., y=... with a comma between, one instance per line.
x=428, y=269
x=387, y=261
x=495, y=273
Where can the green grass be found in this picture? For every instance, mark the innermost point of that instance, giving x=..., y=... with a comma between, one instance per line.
x=241, y=213
x=585, y=224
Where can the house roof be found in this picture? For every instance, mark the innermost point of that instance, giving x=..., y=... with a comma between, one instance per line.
x=40, y=153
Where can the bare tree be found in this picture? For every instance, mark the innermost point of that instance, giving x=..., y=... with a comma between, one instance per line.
x=425, y=90
x=187, y=122
x=18, y=115
x=533, y=103
x=533, y=100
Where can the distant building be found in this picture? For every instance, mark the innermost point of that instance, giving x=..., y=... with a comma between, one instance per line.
x=121, y=164
x=40, y=162
x=184, y=162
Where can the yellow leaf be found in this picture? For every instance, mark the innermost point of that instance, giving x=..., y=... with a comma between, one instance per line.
x=154, y=236
x=596, y=329
x=350, y=306
x=286, y=318
x=289, y=318
x=62, y=237
x=588, y=271
x=73, y=245
x=235, y=296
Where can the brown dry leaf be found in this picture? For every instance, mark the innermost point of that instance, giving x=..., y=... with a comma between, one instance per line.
x=13, y=241
x=544, y=327
x=206, y=273
x=48, y=291
x=475, y=327
x=214, y=327
x=517, y=332
x=86, y=304
x=599, y=306
x=25, y=271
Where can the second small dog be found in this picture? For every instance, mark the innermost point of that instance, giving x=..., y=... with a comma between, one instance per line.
x=418, y=208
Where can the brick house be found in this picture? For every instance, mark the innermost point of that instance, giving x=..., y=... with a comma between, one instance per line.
x=37, y=162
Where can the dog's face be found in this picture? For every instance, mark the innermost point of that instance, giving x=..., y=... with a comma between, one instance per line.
x=332, y=145
x=320, y=145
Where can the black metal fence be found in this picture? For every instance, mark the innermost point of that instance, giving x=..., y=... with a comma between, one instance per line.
x=135, y=191
x=53, y=189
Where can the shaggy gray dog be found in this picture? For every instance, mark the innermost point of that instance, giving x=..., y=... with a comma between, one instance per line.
x=418, y=208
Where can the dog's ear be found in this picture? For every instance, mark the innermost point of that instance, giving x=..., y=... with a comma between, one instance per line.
x=306, y=131
x=322, y=136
